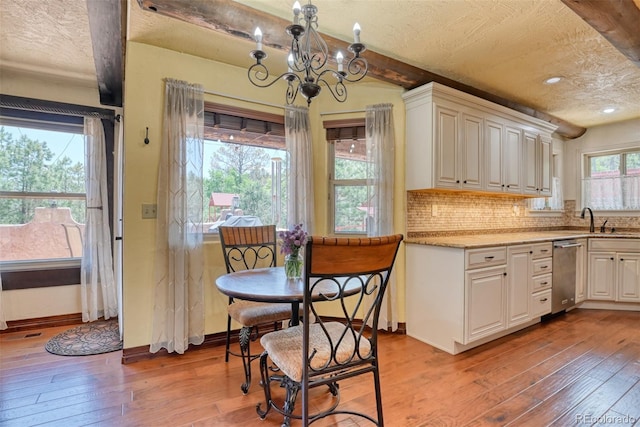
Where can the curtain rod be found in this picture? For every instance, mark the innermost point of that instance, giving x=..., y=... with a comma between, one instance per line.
x=330, y=113
x=210, y=92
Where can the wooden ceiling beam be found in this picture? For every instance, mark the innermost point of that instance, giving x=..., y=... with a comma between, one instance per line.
x=107, y=20
x=617, y=20
x=238, y=20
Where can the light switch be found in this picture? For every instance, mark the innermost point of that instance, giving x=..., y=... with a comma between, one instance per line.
x=149, y=211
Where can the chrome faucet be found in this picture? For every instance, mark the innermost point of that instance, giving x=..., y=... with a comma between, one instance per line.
x=591, y=226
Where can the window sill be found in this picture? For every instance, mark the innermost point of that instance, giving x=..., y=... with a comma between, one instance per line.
x=545, y=213
x=612, y=213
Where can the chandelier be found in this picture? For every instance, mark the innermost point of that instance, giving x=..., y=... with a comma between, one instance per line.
x=308, y=60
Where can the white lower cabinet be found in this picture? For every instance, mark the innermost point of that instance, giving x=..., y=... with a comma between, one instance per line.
x=614, y=270
x=581, y=270
x=458, y=299
x=485, y=298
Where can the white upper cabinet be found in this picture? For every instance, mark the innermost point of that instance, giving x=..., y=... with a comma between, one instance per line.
x=458, y=141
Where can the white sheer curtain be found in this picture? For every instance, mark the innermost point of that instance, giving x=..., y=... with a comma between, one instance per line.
x=178, y=312
x=3, y=323
x=97, y=285
x=612, y=193
x=380, y=139
x=300, y=205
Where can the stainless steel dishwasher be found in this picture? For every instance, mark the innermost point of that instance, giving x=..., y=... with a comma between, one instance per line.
x=563, y=290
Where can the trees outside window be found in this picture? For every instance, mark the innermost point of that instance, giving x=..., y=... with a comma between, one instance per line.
x=245, y=167
x=41, y=173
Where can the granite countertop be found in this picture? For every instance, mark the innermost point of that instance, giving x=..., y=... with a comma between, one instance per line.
x=484, y=240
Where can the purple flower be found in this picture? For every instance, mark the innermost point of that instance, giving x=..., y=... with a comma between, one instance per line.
x=292, y=240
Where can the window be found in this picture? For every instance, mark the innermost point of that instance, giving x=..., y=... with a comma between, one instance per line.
x=612, y=180
x=245, y=168
x=348, y=191
x=42, y=191
x=556, y=201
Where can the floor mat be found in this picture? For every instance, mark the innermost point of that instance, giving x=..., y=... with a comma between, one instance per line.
x=91, y=338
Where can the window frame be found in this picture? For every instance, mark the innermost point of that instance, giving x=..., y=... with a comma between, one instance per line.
x=217, y=115
x=339, y=130
x=585, y=166
x=60, y=117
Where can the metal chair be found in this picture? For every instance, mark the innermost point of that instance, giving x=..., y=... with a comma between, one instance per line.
x=345, y=275
x=247, y=248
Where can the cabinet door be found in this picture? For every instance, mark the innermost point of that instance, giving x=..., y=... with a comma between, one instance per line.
x=628, y=277
x=485, y=299
x=530, y=163
x=581, y=271
x=602, y=276
x=446, y=135
x=545, y=159
x=512, y=159
x=472, y=160
x=518, y=286
x=493, y=151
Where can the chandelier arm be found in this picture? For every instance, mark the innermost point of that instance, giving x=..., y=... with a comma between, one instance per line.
x=357, y=69
x=259, y=74
x=338, y=90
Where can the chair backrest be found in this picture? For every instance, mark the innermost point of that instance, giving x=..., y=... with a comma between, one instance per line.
x=246, y=248
x=345, y=281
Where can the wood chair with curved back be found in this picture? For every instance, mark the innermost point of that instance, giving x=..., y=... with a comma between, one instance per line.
x=246, y=248
x=348, y=276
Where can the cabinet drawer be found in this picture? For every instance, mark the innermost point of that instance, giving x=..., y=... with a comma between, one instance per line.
x=478, y=258
x=541, y=266
x=614, y=245
x=542, y=250
x=541, y=303
x=541, y=282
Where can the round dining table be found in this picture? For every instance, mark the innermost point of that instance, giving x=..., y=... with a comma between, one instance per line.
x=264, y=285
x=272, y=285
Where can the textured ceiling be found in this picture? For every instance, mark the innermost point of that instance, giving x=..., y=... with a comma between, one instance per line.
x=504, y=47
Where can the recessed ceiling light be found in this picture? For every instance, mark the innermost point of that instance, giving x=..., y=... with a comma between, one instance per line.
x=608, y=110
x=553, y=80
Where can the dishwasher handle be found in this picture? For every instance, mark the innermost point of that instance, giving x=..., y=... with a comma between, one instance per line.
x=567, y=245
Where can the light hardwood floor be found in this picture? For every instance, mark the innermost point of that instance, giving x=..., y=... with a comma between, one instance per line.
x=576, y=369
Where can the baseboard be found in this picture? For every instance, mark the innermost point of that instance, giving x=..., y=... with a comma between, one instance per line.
x=136, y=354
x=42, y=322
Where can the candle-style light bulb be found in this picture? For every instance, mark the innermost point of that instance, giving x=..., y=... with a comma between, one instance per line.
x=356, y=33
x=258, y=35
x=296, y=12
x=290, y=63
x=339, y=59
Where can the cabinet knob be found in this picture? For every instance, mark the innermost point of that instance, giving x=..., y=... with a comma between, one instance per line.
x=502, y=185
x=611, y=258
x=464, y=182
x=544, y=283
x=504, y=274
x=508, y=186
x=530, y=252
x=621, y=259
x=488, y=258
x=543, y=300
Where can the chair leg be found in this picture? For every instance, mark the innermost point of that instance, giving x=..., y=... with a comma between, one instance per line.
x=292, y=389
x=266, y=385
x=376, y=382
x=226, y=354
x=245, y=339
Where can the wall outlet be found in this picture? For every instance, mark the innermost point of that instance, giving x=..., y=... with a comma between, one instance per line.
x=516, y=210
x=434, y=210
x=149, y=211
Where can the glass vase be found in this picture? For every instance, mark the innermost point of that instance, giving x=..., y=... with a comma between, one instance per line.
x=293, y=266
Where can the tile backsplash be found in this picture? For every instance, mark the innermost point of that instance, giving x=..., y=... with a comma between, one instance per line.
x=434, y=213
